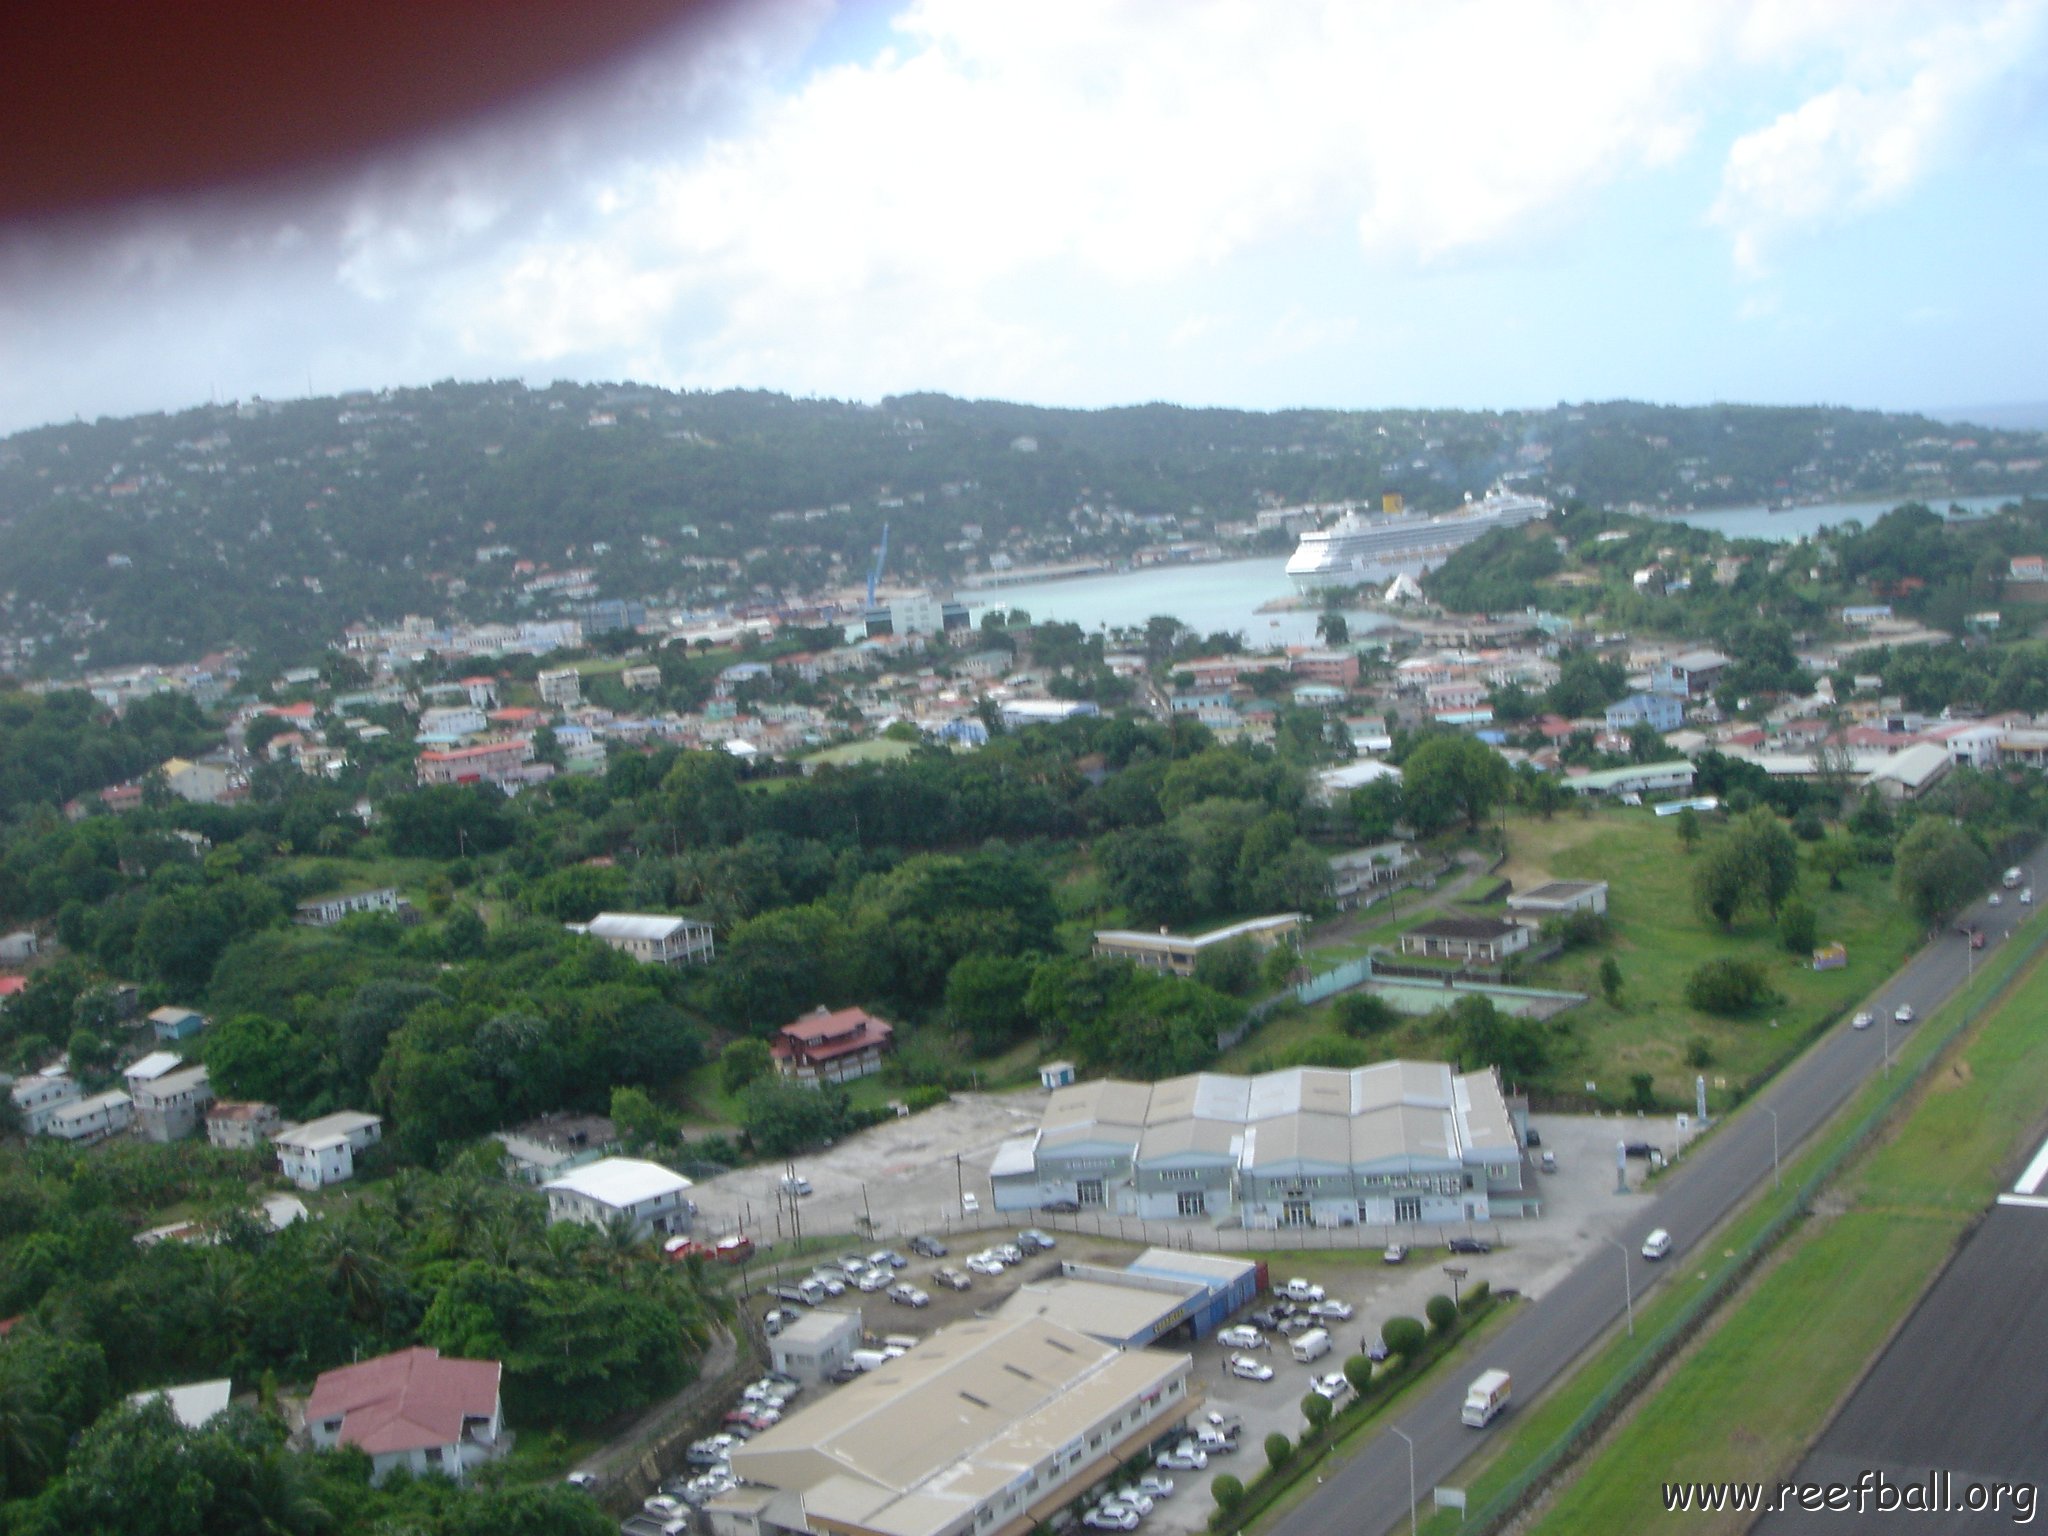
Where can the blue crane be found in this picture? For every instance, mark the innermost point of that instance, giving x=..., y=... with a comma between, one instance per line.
x=875, y=570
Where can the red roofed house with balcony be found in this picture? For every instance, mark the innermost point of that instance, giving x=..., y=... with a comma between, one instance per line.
x=492, y=761
x=825, y=1047
x=411, y=1409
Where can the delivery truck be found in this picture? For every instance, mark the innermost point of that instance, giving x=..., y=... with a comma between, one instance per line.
x=1486, y=1397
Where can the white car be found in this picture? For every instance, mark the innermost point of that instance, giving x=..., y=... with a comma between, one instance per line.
x=985, y=1264
x=796, y=1184
x=875, y=1280
x=1185, y=1457
x=662, y=1507
x=1397, y=1253
x=1247, y=1369
x=1332, y=1310
x=1243, y=1336
x=2027, y=897
x=1113, y=1519
x=1009, y=1253
x=1863, y=1020
x=1153, y=1486
x=1299, y=1290
x=1903, y=1014
x=1131, y=1498
x=1657, y=1244
x=834, y=1284
x=1994, y=900
x=1335, y=1386
x=953, y=1279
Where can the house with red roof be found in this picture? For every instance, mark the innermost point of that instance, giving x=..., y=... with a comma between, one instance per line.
x=411, y=1409
x=827, y=1047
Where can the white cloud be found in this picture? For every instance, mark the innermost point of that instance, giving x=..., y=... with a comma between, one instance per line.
x=1913, y=100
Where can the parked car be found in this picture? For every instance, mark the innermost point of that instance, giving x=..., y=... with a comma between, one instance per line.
x=888, y=1258
x=1330, y=1309
x=927, y=1247
x=854, y=1264
x=1061, y=1207
x=834, y=1284
x=587, y=1481
x=845, y=1373
x=875, y=1280
x=1535, y=1137
x=790, y=1294
x=1335, y=1386
x=1214, y=1442
x=970, y=1205
x=1376, y=1351
x=985, y=1264
x=953, y=1278
x=1295, y=1326
x=662, y=1507
x=1266, y=1317
x=2027, y=897
x=1469, y=1245
x=1185, y=1457
x=909, y=1296
x=1009, y=1253
x=1131, y=1497
x=1242, y=1336
x=709, y=1452
x=1863, y=1020
x=1245, y=1368
x=1033, y=1239
x=1396, y=1253
x=1225, y=1421
x=1977, y=939
x=1994, y=900
x=1548, y=1162
x=1105, y=1520
x=795, y=1184
x=1641, y=1149
x=1300, y=1290
x=1903, y=1014
x=702, y=1490
x=775, y=1319
x=733, y=1249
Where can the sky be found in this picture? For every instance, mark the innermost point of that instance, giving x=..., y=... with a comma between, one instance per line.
x=1469, y=203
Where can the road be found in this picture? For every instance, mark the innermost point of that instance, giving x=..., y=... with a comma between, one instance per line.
x=1365, y=1493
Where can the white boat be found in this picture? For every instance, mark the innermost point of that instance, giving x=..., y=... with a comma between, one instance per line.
x=1367, y=546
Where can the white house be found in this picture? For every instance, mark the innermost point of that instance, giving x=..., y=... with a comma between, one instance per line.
x=323, y=1151
x=171, y=1106
x=93, y=1119
x=326, y=911
x=652, y=939
x=411, y=1409
x=41, y=1096
x=241, y=1124
x=648, y=1195
x=193, y=1405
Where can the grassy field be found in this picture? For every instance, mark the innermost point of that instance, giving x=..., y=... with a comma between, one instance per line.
x=1748, y=1399
x=1657, y=940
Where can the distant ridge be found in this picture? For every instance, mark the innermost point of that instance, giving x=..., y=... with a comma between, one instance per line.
x=2027, y=417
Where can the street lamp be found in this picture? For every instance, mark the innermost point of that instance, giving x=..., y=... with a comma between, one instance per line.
x=1777, y=1180
x=1628, y=1289
x=1457, y=1272
x=1411, y=1476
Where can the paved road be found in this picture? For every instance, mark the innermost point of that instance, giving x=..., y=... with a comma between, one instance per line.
x=1365, y=1494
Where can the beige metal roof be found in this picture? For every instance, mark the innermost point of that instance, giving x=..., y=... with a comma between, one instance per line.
x=1112, y=1313
x=1192, y=1141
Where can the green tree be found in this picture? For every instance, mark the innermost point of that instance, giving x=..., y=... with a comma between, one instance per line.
x=1937, y=867
x=641, y=1122
x=1358, y=1371
x=1449, y=776
x=1486, y=1037
x=1227, y=1491
x=1833, y=857
x=742, y=1062
x=1642, y=1092
x=1727, y=986
x=1316, y=1409
x=1230, y=968
x=1610, y=980
x=1333, y=628
x=1799, y=927
x=1442, y=1313
x=1688, y=829
x=1364, y=1014
x=1404, y=1336
x=985, y=999
x=1148, y=870
x=1278, y=1449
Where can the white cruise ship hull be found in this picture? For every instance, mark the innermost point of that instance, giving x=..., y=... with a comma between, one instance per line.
x=1358, y=549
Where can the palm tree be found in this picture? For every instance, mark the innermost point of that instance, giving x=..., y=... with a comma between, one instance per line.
x=275, y=1501
x=357, y=1268
x=621, y=1250
x=28, y=1435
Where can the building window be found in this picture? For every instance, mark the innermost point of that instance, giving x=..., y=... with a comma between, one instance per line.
x=1088, y=1192
x=1193, y=1202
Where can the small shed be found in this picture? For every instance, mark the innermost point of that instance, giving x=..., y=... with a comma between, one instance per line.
x=1056, y=1074
x=177, y=1023
x=815, y=1345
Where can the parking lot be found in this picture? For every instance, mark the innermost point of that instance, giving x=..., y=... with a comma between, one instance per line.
x=909, y=1174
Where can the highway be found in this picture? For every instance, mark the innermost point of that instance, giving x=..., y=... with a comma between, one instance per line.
x=1366, y=1492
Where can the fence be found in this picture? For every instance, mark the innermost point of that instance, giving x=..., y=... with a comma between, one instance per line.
x=1503, y=1506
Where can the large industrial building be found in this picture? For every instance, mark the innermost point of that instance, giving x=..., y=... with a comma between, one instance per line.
x=1163, y=1295
x=987, y=1428
x=1401, y=1141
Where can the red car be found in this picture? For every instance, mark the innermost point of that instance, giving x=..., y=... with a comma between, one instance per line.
x=730, y=1250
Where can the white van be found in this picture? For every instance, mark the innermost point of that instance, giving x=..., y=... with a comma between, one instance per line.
x=2013, y=877
x=1657, y=1244
x=970, y=1205
x=811, y=1291
x=1312, y=1345
x=868, y=1359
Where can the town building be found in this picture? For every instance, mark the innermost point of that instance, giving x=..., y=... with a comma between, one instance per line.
x=1164, y=1295
x=1638, y=779
x=171, y=1106
x=648, y=1196
x=326, y=911
x=1018, y=713
x=1056, y=1074
x=988, y=1428
x=1690, y=674
x=39, y=1096
x=412, y=1409
x=502, y=762
x=241, y=1125
x=1176, y=953
x=1400, y=1141
x=1660, y=711
x=1358, y=877
x=561, y=687
x=89, y=1120
x=825, y=1046
x=1337, y=668
x=1481, y=940
x=818, y=1343
x=641, y=679
x=653, y=939
x=176, y=1023
x=323, y=1151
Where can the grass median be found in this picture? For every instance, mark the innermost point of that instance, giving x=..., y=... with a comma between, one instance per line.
x=1763, y=1381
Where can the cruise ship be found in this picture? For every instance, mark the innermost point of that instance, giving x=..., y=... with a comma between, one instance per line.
x=1366, y=546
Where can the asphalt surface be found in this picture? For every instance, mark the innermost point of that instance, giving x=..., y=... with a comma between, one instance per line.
x=1959, y=1392
x=1366, y=1493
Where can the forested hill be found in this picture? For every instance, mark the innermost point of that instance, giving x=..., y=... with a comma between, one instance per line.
x=271, y=525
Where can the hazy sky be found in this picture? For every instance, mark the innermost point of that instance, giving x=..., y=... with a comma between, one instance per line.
x=1256, y=204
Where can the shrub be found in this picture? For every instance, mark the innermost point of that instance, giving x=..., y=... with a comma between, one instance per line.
x=1358, y=1371
x=1316, y=1409
x=1228, y=1491
x=1799, y=927
x=1278, y=1449
x=1360, y=1014
x=1699, y=1052
x=1642, y=1091
x=1403, y=1335
x=1727, y=986
x=1476, y=1294
x=926, y=1096
x=1610, y=980
x=1443, y=1312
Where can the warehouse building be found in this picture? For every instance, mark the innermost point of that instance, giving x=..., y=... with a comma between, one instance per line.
x=987, y=1428
x=1401, y=1141
x=1163, y=1295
